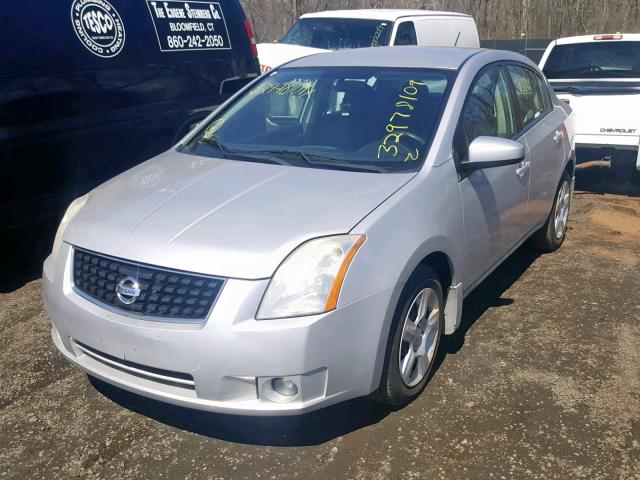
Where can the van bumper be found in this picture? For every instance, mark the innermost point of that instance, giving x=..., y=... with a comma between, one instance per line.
x=227, y=363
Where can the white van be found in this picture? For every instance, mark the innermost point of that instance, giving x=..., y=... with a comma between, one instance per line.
x=599, y=76
x=341, y=29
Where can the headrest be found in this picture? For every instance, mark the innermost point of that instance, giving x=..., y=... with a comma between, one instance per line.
x=357, y=96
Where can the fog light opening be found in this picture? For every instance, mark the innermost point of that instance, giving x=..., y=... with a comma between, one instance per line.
x=284, y=387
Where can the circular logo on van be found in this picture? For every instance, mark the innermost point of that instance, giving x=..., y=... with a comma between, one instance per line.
x=98, y=26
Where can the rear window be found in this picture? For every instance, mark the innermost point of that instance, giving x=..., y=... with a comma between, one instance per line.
x=610, y=59
x=338, y=33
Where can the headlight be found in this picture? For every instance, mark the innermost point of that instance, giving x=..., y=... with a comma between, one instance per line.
x=308, y=282
x=71, y=212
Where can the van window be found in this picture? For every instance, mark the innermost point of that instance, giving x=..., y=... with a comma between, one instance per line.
x=488, y=110
x=338, y=33
x=406, y=34
x=530, y=102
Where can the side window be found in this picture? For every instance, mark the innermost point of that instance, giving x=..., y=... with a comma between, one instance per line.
x=546, y=96
x=406, y=34
x=529, y=98
x=488, y=111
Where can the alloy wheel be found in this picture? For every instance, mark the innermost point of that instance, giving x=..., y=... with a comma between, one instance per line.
x=419, y=337
x=561, y=215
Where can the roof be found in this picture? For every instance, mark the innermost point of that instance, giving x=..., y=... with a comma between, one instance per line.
x=412, y=57
x=590, y=38
x=380, y=14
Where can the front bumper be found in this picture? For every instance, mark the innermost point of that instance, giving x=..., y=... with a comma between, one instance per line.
x=226, y=363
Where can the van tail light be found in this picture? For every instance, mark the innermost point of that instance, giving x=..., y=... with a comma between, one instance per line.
x=608, y=37
x=252, y=38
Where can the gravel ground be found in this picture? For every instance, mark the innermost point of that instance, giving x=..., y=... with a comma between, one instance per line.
x=542, y=381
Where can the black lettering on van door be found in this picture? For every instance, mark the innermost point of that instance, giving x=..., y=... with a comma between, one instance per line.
x=182, y=25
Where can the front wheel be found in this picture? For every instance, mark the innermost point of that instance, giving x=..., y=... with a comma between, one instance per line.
x=551, y=236
x=414, y=339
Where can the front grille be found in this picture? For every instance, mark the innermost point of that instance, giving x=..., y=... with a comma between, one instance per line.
x=162, y=294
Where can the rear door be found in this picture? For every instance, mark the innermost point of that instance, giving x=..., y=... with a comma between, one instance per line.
x=435, y=32
x=495, y=200
x=438, y=31
x=545, y=135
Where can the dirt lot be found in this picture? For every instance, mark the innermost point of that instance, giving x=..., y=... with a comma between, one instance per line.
x=542, y=381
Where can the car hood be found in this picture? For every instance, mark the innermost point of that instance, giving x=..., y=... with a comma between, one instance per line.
x=272, y=55
x=223, y=217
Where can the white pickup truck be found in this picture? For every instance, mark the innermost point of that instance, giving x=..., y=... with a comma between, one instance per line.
x=599, y=77
x=377, y=27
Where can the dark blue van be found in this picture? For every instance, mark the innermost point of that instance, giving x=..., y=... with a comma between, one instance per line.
x=89, y=88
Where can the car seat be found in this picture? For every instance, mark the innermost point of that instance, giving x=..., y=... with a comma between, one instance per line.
x=352, y=124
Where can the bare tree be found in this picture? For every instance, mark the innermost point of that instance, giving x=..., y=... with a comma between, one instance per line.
x=496, y=18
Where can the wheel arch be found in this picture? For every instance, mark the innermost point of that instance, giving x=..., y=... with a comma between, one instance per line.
x=441, y=260
x=441, y=264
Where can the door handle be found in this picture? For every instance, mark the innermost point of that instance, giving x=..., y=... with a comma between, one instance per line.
x=522, y=169
x=557, y=137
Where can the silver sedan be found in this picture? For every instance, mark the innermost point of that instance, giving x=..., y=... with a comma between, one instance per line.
x=314, y=238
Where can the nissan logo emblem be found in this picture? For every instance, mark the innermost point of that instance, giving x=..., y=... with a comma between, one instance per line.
x=128, y=290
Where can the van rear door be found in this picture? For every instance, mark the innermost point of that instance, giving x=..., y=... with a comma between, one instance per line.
x=438, y=31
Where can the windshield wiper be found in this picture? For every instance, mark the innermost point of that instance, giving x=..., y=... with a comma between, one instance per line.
x=272, y=156
x=229, y=153
x=313, y=159
x=345, y=165
x=214, y=142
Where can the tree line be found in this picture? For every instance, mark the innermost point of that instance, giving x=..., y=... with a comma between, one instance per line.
x=496, y=19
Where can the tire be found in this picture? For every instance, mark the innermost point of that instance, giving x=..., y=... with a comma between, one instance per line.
x=552, y=234
x=395, y=389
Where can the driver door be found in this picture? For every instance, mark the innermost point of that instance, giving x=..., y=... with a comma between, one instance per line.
x=495, y=200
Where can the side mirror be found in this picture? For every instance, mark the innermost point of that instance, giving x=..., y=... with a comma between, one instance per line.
x=488, y=152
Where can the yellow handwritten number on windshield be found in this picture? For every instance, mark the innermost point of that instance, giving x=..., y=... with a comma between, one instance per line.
x=409, y=94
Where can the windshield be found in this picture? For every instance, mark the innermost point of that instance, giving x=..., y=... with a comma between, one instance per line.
x=338, y=33
x=371, y=119
x=610, y=59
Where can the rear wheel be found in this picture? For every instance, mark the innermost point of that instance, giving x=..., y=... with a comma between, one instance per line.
x=551, y=236
x=415, y=336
